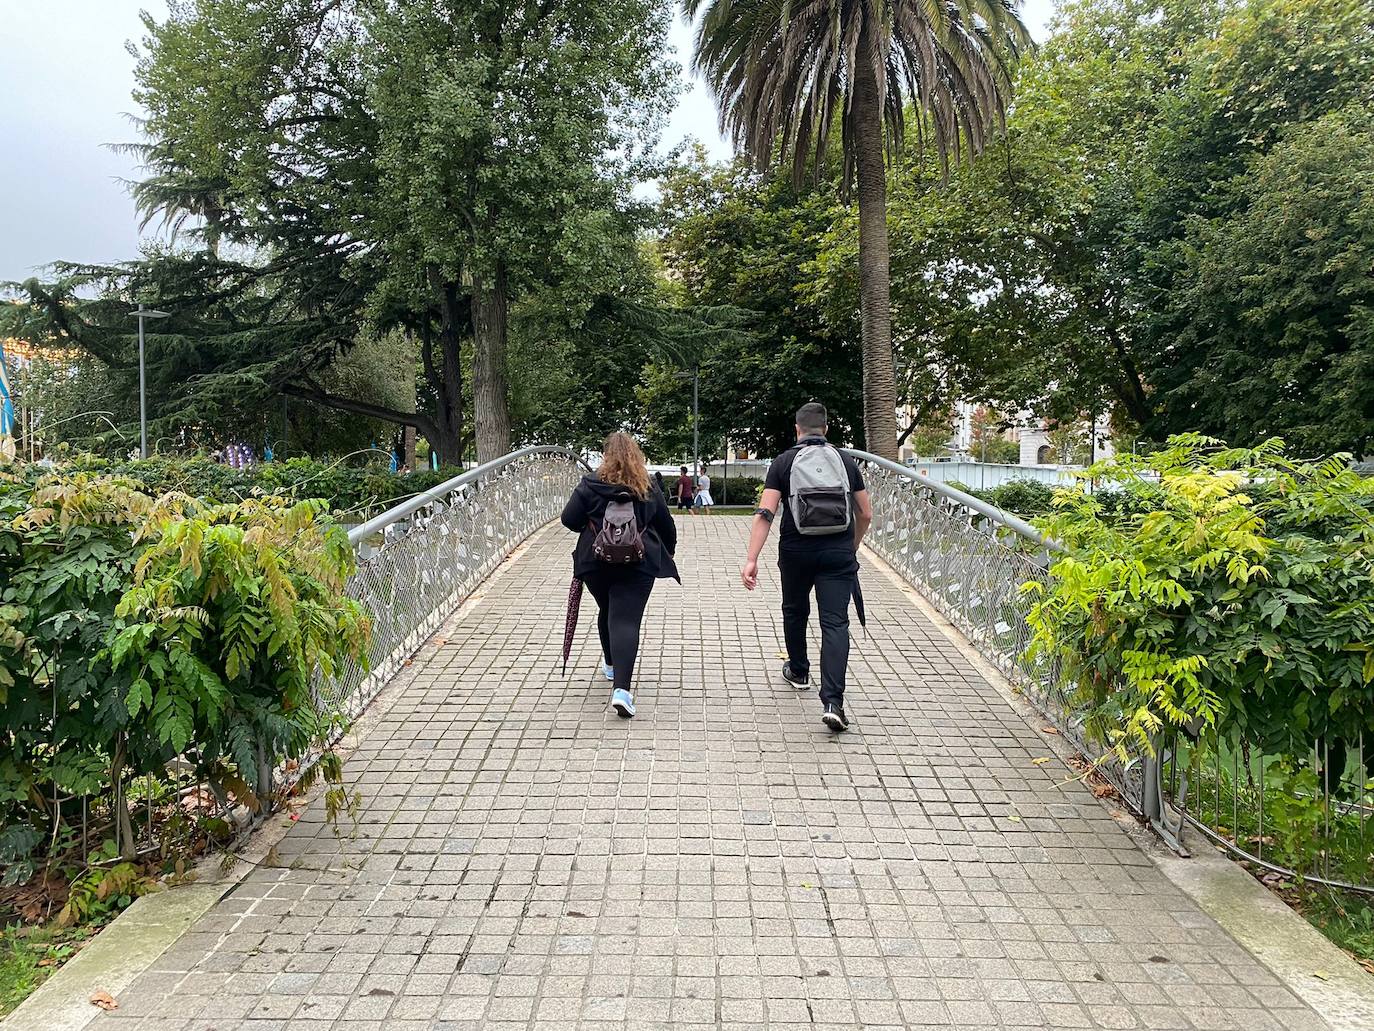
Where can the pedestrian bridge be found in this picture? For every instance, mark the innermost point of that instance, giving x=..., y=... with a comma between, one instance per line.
x=524, y=859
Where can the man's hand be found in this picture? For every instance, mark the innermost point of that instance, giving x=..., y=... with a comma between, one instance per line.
x=758, y=533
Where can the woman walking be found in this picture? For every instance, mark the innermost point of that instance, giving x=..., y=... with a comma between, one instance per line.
x=619, y=560
x=703, y=498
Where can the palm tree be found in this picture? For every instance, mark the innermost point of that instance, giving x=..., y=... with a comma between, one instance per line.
x=782, y=70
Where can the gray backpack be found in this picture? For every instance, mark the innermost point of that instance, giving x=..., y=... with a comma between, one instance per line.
x=820, y=491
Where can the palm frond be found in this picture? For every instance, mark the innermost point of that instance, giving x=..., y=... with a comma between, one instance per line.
x=782, y=70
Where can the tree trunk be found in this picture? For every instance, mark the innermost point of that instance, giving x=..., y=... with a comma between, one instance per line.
x=489, y=392
x=125, y=843
x=447, y=376
x=880, y=386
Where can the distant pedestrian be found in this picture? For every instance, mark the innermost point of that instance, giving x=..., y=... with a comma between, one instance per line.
x=658, y=482
x=684, y=490
x=626, y=540
x=825, y=513
x=703, y=499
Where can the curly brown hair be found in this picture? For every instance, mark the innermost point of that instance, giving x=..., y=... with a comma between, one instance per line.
x=623, y=463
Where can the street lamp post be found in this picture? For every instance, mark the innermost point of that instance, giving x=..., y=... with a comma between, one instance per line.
x=695, y=377
x=141, y=314
x=696, y=420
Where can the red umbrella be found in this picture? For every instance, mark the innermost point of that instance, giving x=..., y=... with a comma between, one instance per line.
x=570, y=624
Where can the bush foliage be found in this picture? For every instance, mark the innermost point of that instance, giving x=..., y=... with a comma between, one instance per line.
x=137, y=629
x=350, y=491
x=1234, y=595
x=1023, y=497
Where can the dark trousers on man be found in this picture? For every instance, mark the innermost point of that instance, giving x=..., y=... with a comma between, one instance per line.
x=830, y=572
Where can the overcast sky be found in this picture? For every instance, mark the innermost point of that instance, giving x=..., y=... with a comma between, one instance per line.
x=65, y=82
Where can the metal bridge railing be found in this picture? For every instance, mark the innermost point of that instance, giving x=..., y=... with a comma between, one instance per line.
x=970, y=559
x=418, y=561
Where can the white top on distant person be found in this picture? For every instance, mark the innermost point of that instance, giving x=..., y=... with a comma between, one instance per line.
x=703, y=496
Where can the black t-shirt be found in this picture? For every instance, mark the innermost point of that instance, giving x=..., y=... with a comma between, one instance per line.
x=780, y=479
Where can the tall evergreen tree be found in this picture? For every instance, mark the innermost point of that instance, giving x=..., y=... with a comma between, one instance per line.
x=351, y=167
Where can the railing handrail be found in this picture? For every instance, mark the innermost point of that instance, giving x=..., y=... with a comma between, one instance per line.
x=997, y=515
x=408, y=507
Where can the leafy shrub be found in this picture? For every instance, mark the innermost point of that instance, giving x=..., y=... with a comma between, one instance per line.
x=103, y=891
x=348, y=490
x=136, y=630
x=737, y=490
x=1024, y=497
x=1235, y=595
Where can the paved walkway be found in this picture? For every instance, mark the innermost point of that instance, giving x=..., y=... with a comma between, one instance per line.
x=526, y=860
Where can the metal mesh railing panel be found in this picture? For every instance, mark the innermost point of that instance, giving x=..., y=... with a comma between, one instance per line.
x=417, y=572
x=973, y=572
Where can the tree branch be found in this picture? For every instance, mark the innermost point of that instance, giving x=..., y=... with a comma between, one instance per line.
x=422, y=423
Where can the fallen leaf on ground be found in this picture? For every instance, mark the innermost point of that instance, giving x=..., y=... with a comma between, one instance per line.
x=1013, y=818
x=1321, y=975
x=1042, y=760
x=1048, y=730
x=104, y=1000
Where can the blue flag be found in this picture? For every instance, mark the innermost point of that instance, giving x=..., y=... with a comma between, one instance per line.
x=6, y=406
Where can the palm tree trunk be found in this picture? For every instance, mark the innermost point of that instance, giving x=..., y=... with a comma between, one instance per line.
x=875, y=307
x=489, y=391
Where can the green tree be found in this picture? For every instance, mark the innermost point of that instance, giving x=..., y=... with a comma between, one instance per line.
x=504, y=139
x=737, y=241
x=1068, y=445
x=986, y=441
x=783, y=73
x=1255, y=185
x=931, y=440
x=1012, y=276
x=343, y=169
x=1060, y=271
x=1276, y=301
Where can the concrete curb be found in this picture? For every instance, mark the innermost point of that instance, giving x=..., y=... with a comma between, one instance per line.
x=1296, y=953
x=135, y=939
x=1313, y=967
x=120, y=953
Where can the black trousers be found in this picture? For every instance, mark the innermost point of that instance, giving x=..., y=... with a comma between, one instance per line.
x=830, y=572
x=621, y=593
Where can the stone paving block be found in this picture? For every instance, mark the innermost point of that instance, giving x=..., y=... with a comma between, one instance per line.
x=526, y=860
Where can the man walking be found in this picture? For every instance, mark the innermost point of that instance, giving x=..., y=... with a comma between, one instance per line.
x=825, y=514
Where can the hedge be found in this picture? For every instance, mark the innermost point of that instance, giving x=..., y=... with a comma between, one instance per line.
x=137, y=629
x=350, y=491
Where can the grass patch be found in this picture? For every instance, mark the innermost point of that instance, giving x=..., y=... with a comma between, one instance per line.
x=30, y=955
x=1345, y=917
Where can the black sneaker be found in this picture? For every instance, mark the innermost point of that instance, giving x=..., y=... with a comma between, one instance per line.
x=800, y=683
x=833, y=717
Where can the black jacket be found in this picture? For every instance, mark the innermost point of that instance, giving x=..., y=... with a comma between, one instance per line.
x=587, y=507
